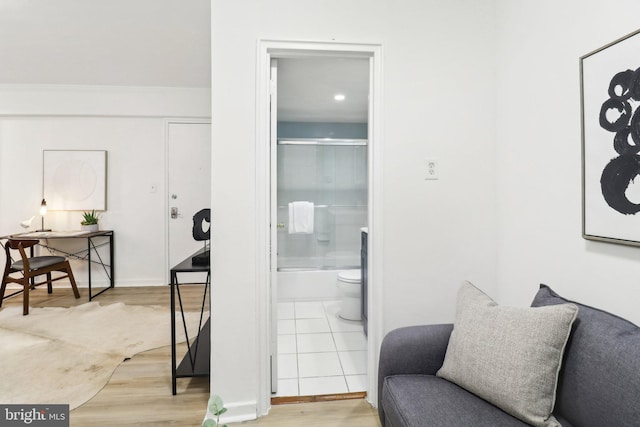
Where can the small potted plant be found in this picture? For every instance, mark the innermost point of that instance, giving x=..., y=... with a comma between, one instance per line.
x=215, y=408
x=89, y=221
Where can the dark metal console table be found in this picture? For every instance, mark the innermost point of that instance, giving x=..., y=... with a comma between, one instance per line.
x=95, y=240
x=196, y=362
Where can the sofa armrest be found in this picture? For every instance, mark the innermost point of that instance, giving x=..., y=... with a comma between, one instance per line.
x=412, y=350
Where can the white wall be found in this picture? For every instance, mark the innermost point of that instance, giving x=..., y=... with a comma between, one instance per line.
x=438, y=85
x=539, y=158
x=127, y=122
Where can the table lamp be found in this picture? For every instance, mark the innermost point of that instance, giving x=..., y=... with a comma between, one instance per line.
x=43, y=212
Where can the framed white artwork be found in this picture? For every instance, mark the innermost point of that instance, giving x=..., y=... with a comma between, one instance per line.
x=75, y=180
x=610, y=95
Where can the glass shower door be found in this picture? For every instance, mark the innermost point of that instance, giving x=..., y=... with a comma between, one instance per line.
x=331, y=174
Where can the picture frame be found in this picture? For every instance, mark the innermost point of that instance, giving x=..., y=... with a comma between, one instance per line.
x=610, y=121
x=74, y=180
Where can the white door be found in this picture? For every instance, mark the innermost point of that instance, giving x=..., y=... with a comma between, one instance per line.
x=274, y=222
x=189, y=186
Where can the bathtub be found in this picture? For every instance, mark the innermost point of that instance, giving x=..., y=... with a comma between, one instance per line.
x=300, y=283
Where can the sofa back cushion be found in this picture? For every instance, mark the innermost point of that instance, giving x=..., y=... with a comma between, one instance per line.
x=509, y=356
x=600, y=378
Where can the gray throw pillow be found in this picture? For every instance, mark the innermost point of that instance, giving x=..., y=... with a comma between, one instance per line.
x=509, y=356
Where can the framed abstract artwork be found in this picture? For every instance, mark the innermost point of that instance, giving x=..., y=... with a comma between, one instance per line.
x=610, y=101
x=75, y=180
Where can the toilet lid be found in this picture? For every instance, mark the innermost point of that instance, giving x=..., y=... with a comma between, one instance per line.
x=349, y=276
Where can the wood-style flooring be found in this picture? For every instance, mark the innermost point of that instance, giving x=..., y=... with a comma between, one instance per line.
x=139, y=392
x=337, y=413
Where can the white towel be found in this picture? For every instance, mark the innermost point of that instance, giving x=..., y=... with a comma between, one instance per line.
x=301, y=217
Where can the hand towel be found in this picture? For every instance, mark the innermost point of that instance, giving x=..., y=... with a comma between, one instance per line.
x=301, y=217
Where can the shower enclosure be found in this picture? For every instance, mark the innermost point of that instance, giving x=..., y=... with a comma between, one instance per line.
x=332, y=175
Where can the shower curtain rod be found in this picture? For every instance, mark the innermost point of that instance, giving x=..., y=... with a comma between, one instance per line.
x=321, y=141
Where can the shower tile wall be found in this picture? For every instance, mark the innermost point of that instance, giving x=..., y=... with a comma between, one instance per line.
x=319, y=352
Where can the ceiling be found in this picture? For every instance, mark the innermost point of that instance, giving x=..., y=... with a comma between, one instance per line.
x=164, y=43
x=306, y=89
x=106, y=42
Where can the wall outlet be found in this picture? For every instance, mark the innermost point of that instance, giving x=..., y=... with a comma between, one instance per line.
x=432, y=168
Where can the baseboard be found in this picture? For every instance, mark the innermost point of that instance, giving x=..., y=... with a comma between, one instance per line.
x=239, y=411
x=285, y=400
x=127, y=283
x=101, y=284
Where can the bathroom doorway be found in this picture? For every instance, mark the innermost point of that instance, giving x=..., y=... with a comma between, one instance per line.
x=266, y=288
x=319, y=203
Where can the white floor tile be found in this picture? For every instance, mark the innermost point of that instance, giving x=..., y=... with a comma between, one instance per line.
x=288, y=387
x=309, y=333
x=287, y=344
x=312, y=326
x=315, y=343
x=286, y=310
x=353, y=362
x=331, y=305
x=350, y=341
x=332, y=308
x=323, y=385
x=319, y=365
x=287, y=366
x=286, y=327
x=356, y=383
x=338, y=324
x=309, y=310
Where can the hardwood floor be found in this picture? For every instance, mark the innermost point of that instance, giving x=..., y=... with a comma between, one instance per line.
x=337, y=413
x=139, y=392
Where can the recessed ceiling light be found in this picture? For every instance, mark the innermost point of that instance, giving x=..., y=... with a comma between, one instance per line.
x=339, y=97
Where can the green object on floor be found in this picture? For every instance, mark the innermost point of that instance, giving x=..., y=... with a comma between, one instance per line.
x=216, y=408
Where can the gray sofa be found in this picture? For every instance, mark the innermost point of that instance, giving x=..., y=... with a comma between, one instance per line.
x=599, y=382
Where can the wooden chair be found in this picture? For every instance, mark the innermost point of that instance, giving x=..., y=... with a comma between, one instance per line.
x=27, y=269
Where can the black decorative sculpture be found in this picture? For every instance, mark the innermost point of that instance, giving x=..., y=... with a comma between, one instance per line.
x=200, y=234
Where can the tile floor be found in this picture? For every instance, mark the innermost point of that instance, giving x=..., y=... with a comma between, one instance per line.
x=319, y=352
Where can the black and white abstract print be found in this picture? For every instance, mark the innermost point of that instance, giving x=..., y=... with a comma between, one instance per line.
x=620, y=115
x=610, y=89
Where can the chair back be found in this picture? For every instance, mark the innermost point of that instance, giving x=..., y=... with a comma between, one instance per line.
x=25, y=243
x=20, y=245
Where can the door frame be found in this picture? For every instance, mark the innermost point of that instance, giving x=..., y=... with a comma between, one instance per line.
x=167, y=201
x=266, y=50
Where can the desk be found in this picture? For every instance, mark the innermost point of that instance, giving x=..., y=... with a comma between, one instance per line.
x=197, y=361
x=83, y=254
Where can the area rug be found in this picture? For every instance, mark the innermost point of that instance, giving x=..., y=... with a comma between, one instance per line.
x=67, y=355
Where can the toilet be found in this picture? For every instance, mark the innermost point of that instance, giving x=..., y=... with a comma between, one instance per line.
x=349, y=285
